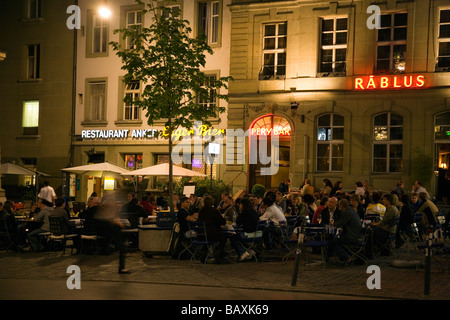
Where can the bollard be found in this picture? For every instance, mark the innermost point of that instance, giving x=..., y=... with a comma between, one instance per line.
x=428, y=265
x=296, y=267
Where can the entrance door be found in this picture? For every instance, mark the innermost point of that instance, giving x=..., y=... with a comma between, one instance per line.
x=443, y=185
x=261, y=132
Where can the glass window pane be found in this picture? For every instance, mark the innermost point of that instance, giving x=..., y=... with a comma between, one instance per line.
x=380, y=133
x=323, y=150
x=340, y=67
x=396, y=119
x=269, y=43
x=443, y=119
x=381, y=120
x=323, y=164
x=341, y=38
x=338, y=120
x=341, y=54
x=445, y=16
x=383, y=52
x=444, y=49
x=281, y=59
x=322, y=134
x=337, y=164
x=269, y=30
x=444, y=31
x=400, y=34
x=396, y=133
x=282, y=43
x=327, y=39
x=395, y=165
x=328, y=25
x=324, y=120
x=379, y=165
x=131, y=18
x=400, y=19
x=282, y=29
x=327, y=55
x=384, y=34
x=396, y=151
x=386, y=20
x=379, y=151
x=338, y=133
x=326, y=67
x=341, y=24
x=30, y=116
x=338, y=151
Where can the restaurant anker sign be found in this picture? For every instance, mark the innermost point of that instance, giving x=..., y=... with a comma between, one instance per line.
x=387, y=82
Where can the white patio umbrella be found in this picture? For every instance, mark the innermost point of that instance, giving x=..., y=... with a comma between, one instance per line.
x=97, y=167
x=15, y=169
x=162, y=170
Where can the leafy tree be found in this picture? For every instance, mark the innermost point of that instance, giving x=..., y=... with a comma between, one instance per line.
x=167, y=59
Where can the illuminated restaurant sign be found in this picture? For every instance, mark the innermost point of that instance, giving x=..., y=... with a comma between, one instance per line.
x=389, y=82
x=275, y=131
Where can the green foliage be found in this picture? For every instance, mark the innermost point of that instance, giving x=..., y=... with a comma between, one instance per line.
x=168, y=60
x=259, y=189
x=203, y=186
x=422, y=167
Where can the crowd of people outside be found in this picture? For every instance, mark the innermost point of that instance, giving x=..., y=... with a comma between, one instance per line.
x=328, y=204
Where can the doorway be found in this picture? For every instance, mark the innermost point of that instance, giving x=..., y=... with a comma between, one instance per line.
x=261, y=133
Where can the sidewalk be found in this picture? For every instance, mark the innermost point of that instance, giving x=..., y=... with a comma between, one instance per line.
x=396, y=283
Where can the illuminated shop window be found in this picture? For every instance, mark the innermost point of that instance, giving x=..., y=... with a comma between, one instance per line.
x=330, y=143
x=387, y=146
x=133, y=161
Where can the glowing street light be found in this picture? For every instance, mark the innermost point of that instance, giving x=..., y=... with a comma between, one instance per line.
x=104, y=12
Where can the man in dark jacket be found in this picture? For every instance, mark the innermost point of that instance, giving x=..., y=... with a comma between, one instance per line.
x=350, y=223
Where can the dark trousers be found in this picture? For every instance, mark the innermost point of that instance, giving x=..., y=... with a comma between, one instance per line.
x=113, y=233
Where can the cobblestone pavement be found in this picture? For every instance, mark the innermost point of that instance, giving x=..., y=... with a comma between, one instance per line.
x=271, y=274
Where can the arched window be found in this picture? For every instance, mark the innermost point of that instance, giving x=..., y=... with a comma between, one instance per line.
x=387, y=143
x=330, y=143
x=442, y=126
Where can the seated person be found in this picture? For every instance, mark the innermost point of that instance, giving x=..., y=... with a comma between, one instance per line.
x=230, y=212
x=146, y=203
x=133, y=211
x=184, y=216
x=350, y=223
x=247, y=219
x=42, y=218
x=388, y=225
x=213, y=226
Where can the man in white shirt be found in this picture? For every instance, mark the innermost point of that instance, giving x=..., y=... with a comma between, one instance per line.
x=418, y=188
x=47, y=193
x=272, y=212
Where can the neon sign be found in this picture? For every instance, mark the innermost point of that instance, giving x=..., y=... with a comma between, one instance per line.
x=276, y=131
x=389, y=82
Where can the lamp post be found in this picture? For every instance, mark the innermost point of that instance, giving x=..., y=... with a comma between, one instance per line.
x=213, y=151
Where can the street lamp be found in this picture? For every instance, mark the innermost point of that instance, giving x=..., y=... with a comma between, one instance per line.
x=104, y=12
x=213, y=150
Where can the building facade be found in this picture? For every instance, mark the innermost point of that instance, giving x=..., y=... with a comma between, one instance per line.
x=106, y=129
x=357, y=100
x=35, y=89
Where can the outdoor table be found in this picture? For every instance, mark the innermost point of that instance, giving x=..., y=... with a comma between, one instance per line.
x=154, y=239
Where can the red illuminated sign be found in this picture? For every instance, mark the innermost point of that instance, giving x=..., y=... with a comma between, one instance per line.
x=389, y=82
x=276, y=131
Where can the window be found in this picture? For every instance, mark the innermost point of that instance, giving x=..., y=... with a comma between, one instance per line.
x=442, y=126
x=210, y=102
x=333, y=40
x=30, y=117
x=34, y=9
x=134, y=20
x=387, y=146
x=97, y=92
x=443, y=60
x=274, y=51
x=330, y=143
x=133, y=161
x=171, y=10
x=209, y=20
x=97, y=35
x=29, y=163
x=391, y=43
x=132, y=92
x=33, y=61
